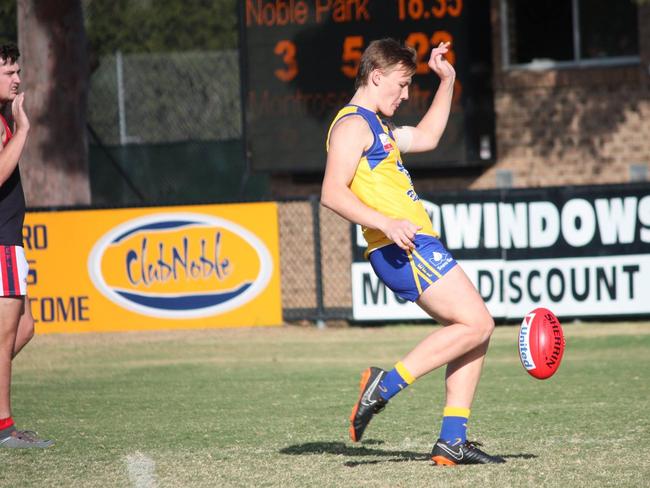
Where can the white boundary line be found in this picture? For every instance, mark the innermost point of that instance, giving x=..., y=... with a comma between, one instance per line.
x=141, y=470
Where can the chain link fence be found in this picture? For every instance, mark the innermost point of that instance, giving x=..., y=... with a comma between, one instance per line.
x=167, y=128
x=315, y=261
x=166, y=97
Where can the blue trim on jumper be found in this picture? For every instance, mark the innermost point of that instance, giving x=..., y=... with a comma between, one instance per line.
x=376, y=153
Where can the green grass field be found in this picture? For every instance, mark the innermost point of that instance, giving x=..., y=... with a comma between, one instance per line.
x=269, y=407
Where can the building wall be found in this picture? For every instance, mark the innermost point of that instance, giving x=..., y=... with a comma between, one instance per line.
x=571, y=126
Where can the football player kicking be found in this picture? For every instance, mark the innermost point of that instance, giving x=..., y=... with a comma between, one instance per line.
x=366, y=183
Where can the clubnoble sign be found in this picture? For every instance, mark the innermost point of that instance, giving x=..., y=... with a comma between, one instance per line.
x=154, y=268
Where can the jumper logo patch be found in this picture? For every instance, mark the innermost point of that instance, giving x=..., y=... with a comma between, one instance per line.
x=180, y=265
x=440, y=260
x=385, y=141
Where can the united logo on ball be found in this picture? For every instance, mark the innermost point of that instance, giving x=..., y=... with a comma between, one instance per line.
x=541, y=343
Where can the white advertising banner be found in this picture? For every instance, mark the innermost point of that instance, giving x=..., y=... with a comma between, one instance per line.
x=583, y=252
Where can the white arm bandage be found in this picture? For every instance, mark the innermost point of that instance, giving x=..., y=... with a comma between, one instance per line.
x=404, y=138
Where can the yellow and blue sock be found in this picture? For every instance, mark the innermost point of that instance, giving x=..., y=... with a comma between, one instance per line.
x=454, y=425
x=395, y=381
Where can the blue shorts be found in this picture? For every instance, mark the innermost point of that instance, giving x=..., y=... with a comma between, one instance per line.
x=408, y=274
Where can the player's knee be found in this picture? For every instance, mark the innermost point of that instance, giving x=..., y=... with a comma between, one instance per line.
x=484, y=328
x=488, y=327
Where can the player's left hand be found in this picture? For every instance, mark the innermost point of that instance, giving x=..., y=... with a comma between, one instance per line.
x=439, y=64
x=21, y=121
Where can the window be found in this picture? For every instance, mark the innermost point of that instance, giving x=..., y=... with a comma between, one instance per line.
x=556, y=33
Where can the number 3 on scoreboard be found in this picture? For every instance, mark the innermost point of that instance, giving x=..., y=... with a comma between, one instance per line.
x=286, y=49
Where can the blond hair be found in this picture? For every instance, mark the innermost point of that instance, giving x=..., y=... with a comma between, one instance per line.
x=386, y=55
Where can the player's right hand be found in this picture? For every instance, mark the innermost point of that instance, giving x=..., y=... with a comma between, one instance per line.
x=439, y=64
x=18, y=112
x=401, y=232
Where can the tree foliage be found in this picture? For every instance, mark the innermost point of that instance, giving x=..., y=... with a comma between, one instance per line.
x=139, y=26
x=8, y=25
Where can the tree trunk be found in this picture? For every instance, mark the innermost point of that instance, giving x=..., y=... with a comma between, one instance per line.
x=54, y=63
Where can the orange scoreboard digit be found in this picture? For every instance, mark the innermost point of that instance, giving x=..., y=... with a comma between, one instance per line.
x=299, y=59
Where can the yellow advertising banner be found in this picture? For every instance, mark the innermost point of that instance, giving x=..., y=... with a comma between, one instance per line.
x=154, y=268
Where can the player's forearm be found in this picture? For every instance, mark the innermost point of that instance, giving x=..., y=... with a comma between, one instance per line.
x=10, y=155
x=346, y=204
x=433, y=124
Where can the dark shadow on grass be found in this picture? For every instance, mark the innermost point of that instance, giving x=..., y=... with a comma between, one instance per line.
x=340, y=448
x=518, y=456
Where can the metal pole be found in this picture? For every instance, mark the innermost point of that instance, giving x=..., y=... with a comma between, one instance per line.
x=120, y=97
x=576, y=32
x=505, y=42
x=320, y=305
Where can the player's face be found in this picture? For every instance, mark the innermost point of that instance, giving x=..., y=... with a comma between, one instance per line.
x=9, y=80
x=394, y=89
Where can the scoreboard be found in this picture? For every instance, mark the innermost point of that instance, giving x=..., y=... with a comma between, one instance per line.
x=299, y=59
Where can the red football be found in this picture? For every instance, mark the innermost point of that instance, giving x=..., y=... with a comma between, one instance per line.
x=541, y=343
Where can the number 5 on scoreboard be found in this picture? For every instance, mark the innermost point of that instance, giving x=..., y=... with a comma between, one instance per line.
x=352, y=50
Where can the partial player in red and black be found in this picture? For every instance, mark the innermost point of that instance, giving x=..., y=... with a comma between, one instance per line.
x=16, y=322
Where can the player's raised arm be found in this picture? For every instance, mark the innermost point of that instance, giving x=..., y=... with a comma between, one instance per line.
x=426, y=135
x=348, y=139
x=10, y=154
